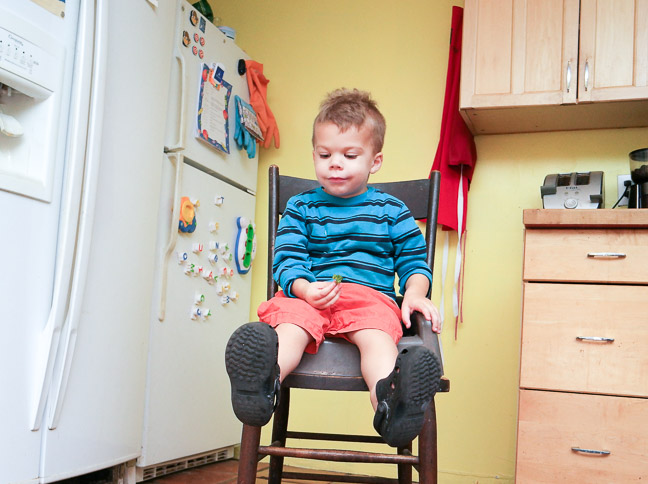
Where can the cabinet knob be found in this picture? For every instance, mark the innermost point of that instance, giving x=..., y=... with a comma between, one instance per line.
x=606, y=255
x=597, y=339
x=590, y=451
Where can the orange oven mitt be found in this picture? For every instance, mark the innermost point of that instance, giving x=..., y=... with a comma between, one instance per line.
x=258, y=86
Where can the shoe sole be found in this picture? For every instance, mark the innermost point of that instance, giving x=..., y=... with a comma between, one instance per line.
x=251, y=364
x=405, y=395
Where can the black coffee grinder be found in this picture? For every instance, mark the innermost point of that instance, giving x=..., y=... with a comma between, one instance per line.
x=638, y=197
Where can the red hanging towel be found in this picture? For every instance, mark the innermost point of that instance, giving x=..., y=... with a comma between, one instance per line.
x=455, y=158
x=456, y=154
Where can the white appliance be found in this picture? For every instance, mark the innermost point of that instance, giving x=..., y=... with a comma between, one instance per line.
x=82, y=173
x=200, y=295
x=80, y=187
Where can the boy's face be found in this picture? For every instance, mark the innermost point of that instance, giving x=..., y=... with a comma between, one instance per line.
x=344, y=160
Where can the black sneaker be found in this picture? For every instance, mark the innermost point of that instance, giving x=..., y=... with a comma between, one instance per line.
x=403, y=397
x=251, y=363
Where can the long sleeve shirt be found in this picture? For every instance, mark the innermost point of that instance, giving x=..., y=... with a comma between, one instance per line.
x=366, y=239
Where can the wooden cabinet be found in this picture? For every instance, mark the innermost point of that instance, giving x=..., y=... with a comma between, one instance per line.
x=583, y=406
x=573, y=438
x=537, y=65
x=613, y=50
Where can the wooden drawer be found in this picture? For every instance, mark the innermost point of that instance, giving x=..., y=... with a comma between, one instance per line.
x=552, y=423
x=574, y=255
x=556, y=315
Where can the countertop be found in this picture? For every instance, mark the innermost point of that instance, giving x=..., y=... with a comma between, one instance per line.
x=596, y=218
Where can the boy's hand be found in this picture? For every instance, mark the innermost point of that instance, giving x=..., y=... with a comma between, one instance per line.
x=415, y=299
x=425, y=307
x=320, y=295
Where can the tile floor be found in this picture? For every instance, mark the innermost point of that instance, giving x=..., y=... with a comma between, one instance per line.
x=217, y=473
x=223, y=472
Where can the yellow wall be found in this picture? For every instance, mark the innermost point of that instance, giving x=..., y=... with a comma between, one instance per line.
x=399, y=52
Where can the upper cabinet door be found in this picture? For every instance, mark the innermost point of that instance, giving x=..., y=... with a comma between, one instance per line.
x=613, y=50
x=519, y=53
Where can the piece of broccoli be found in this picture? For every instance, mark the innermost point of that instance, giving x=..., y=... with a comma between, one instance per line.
x=337, y=278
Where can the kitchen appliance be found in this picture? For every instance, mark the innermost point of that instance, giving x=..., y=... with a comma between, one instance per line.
x=80, y=189
x=573, y=190
x=113, y=320
x=206, y=242
x=638, y=197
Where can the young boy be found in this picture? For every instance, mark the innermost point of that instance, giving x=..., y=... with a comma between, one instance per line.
x=343, y=228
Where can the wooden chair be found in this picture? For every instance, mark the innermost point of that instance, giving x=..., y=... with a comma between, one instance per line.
x=336, y=366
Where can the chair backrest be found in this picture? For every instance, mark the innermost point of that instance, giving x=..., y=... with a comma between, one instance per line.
x=420, y=196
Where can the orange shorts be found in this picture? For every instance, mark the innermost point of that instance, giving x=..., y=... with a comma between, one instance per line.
x=358, y=307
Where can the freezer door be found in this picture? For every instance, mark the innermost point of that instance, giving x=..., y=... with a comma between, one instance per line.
x=32, y=166
x=198, y=42
x=95, y=405
x=203, y=298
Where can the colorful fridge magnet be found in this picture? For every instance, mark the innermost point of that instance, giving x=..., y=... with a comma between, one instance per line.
x=213, y=101
x=187, y=222
x=245, y=245
x=249, y=119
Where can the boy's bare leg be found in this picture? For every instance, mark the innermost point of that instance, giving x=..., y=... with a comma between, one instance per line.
x=378, y=354
x=292, y=343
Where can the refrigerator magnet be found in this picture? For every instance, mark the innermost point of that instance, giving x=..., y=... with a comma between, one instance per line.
x=187, y=222
x=245, y=245
x=212, y=120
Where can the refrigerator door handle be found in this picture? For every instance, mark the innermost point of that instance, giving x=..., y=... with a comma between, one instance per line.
x=86, y=221
x=179, y=145
x=48, y=341
x=173, y=234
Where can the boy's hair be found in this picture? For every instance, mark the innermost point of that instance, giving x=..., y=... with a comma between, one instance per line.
x=346, y=108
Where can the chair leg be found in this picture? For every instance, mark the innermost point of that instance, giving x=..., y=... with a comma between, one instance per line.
x=428, y=448
x=405, y=470
x=279, y=430
x=249, y=454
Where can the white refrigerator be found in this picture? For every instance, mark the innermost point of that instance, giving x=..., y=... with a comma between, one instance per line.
x=91, y=198
x=80, y=173
x=203, y=277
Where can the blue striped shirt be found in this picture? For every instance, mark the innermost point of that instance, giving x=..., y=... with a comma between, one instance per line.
x=366, y=239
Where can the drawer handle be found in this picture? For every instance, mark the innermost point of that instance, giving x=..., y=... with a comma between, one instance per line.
x=607, y=255
x=590, y=451
x=599, y=339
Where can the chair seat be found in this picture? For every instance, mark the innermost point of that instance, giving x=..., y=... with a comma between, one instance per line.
x=336, y=366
